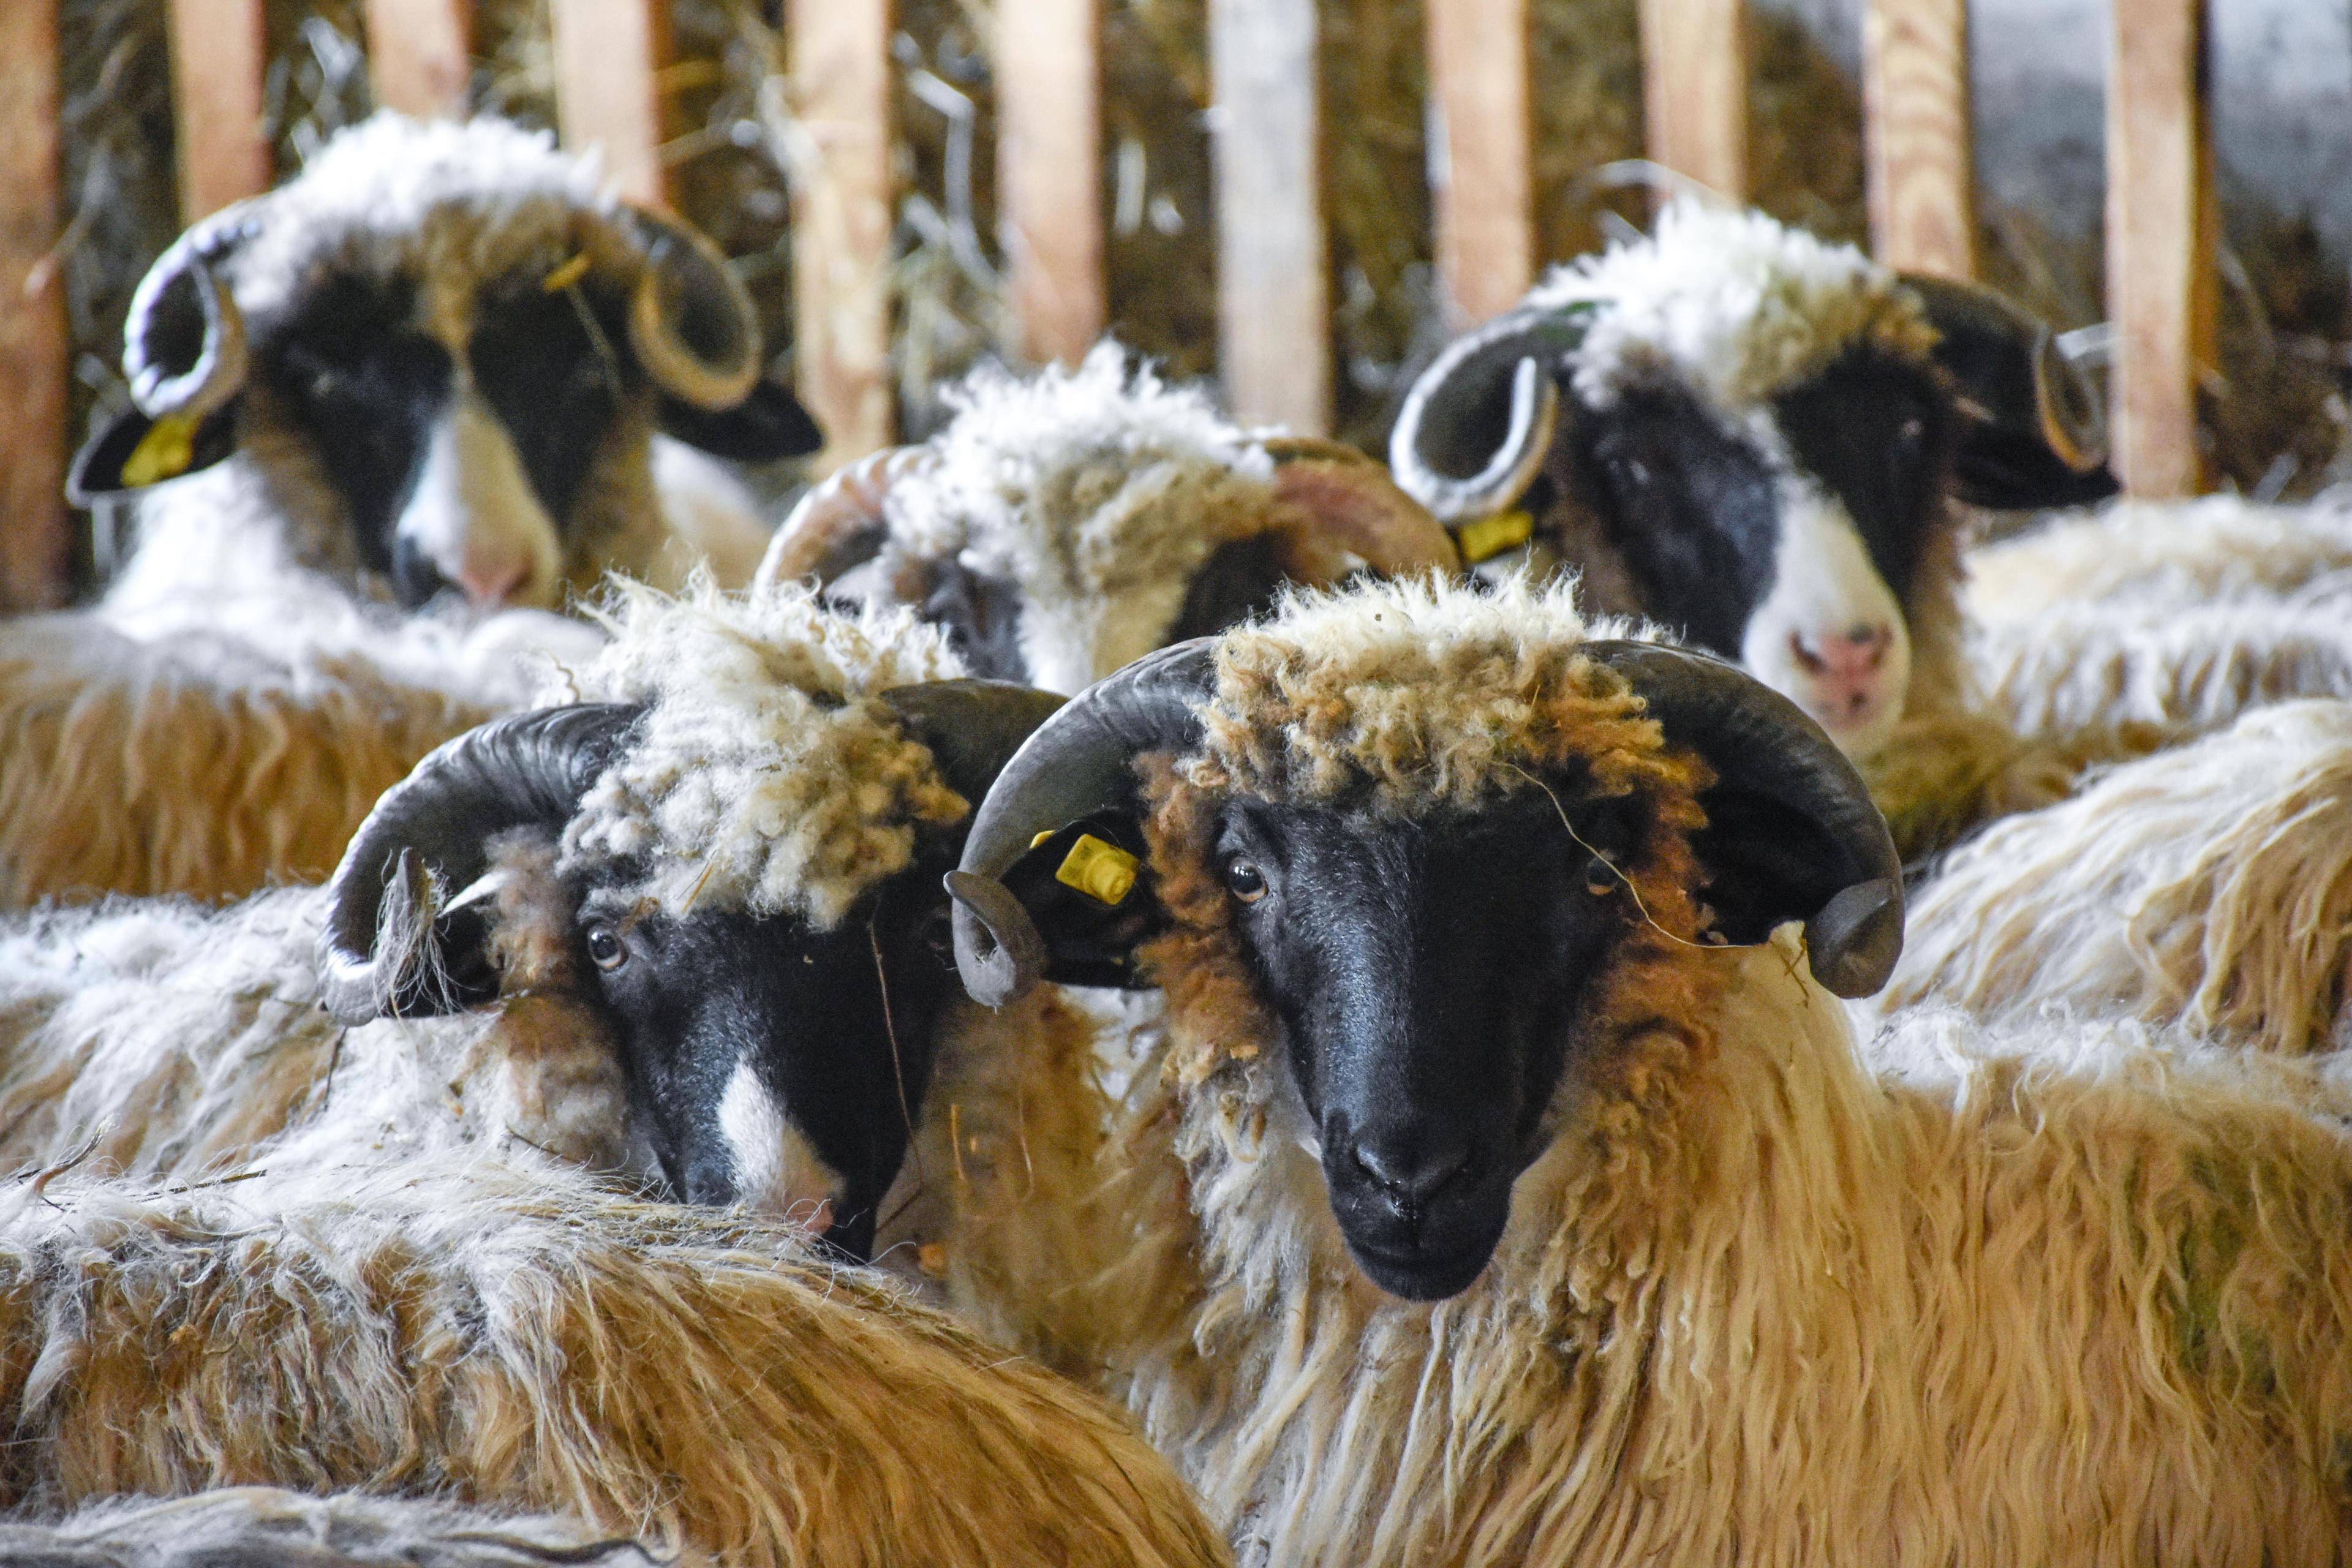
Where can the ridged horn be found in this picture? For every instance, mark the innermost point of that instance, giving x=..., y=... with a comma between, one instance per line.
x=811, y=542
x=1764, y=747
x=1077, y=762
x=513, y=772
x=184, y=348
x=1478, y=422
x=691, y=321
x=972, y=727
x=1355, y=503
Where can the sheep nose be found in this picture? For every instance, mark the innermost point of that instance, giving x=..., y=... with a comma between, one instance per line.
x=491, y=578
x=1410, y=1173
x=1846, y=668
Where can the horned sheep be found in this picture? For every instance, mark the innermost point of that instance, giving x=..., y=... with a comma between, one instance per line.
x=1066, y=523
x=436, y=366
x=1501, y=1192
x=1756, y=438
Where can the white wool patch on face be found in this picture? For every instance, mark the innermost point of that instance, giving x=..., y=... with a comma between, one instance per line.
x=475, y=516
x=1734, y=304
x=764, y=775
x=1826, y=586
x=778, y=1172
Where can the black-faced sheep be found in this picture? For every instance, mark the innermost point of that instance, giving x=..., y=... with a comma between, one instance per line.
x=432, y=368
x=1754, y=437
x=509, y=1335
x=693, y=926
x=1476, y=1209
x=1065, y=524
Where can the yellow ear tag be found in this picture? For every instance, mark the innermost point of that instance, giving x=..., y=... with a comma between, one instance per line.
x=1103, y=872
x=565, y=276
x=164, y=453
x=1490, y=536
x=1041, y=839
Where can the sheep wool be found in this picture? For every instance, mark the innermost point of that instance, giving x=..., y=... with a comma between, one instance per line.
x=1765, y=1296
x=763, y=774
x=2210, y=886
x=507, y=1334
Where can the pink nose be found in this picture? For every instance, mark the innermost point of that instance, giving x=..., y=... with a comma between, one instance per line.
x=492, y=579
x=1847, y=670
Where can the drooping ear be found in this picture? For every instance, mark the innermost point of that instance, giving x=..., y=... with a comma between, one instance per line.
x=767, y=426
x=133, y=451
x=1791, y=832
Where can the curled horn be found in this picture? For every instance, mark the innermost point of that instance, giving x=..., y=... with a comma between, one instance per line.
x=2017, y=385
x=970, y=726
x=1765, y=751
x=1359, y=506
x=1475, y=426
x=690, y=320
x=1077, y=762
x=513, y=772
x=815, y=539
x=183, y=349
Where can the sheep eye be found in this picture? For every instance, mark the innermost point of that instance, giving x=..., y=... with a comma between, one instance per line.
x=1246, y=881
x=1599, y=879
x=606, y=947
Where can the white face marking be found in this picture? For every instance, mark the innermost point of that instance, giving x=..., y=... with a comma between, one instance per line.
x=778, y=1171
x=475, y=516
x=1801, y=640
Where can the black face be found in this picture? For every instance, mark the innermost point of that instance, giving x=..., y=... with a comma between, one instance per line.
x=981, y=616
x=698, y=997
x=360, y=380
x=1238, y=580
x=1432, y=979
x=1694, y=510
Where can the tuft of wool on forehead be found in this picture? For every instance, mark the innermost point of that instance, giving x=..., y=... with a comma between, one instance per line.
x=1419, y=694
x=764, y=775
x=1732, y=303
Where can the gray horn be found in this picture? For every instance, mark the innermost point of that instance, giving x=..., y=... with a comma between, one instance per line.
x=1787, y=805
x=184, y=348
x=691, y=321
x=971, y=726
x=375, y=955
x=1078, y=761
x=1478, y=422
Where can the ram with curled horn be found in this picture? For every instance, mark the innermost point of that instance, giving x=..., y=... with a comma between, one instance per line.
x=1061, y=526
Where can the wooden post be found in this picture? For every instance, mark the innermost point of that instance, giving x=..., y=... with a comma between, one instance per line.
x=218, y=56
x=1915, y=89
x=841, y=211
x=34, y=346
x=1694, y=89
x=2162, y=230
x=1484, y=182
x=420, y=54
x=609, y=57
x=1274, y=324
x=1049, y=173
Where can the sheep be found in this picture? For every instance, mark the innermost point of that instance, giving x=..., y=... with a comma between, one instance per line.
x=431, y=368
x=1064, y=524
x=2179, y=614
x=266, y=1527
x=1755, y=438
x=2208, y=886
x=1506, y=1188
x=689, y=928
x=506, y=1333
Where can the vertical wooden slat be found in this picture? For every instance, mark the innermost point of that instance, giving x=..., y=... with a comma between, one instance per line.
x=218, y=56
x=1484, y=185
x=609, y=57
x=1915, y=89
x=1694, y=89
x=1049, y=173
x=840, y=221
x=2161, y=290
x=1274, y=323
x=33, y=341
x=419, y=55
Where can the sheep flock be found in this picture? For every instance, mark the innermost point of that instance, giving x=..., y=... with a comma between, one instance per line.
x=1114, y=986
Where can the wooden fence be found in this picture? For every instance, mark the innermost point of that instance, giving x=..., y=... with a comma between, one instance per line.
x=1273, y=316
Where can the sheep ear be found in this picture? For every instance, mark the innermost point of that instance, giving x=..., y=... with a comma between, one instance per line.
x=768, y=426
x=1088, y=891
x=133, y=451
